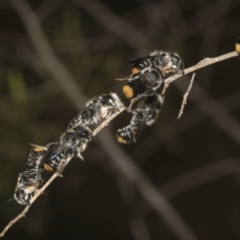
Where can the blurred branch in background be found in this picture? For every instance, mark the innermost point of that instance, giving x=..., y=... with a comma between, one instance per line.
x=132, y=172
x=202, y=175
x=120, y=27
x=227, y=123
x=46, y=54
x=45, y=10
x=196, y=178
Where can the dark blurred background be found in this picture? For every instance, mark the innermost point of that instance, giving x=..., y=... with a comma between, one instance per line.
x=194, y=161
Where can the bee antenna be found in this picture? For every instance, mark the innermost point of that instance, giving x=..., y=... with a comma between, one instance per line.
x=9, y=200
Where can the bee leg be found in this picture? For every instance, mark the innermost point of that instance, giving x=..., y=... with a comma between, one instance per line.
x=79, y=155
x=140, y=96
x=60, y=169
x=132, y=77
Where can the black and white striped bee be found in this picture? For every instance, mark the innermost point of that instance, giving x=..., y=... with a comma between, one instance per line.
x=167, y=62
x=71, y=144
x=143, y=116
x=151, y=71
x=97, y=110
x=30, y=179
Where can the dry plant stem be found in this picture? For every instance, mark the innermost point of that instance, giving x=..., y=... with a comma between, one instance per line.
x=201, y=64
x=106, y=122
x=47, y=55
x=184, y=102
x=204, y=63
x=58, y=70
x=55, y=175
x=22, y=214
x=60, y=73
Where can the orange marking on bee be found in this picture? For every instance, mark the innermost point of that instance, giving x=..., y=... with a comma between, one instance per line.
x=128, y=91
x=48, y=168
x=135, y=70
x=121, y=140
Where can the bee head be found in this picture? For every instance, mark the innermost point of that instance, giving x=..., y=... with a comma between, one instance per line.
x=128, y=91
x=84, y=132
x=48, y=168
x=22, y=197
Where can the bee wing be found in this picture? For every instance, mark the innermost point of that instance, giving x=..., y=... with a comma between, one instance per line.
x=53, y=150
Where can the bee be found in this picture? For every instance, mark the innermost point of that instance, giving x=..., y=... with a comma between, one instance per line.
x=143, y=116
x=30, y=179
x=97, y=110
x=71, y=144
x=167, y=62
x=151, y=71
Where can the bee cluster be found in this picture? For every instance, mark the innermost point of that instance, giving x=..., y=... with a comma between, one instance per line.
x=72, y=143
x=147, y=76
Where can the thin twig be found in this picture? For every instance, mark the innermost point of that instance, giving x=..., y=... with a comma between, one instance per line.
x=55, y=175
x=217, y=112
x=205, y=62
x=22, y=214
x=147, y=190
x=145, y=187
x=107, y=121
x=201, y=64
x=185, y=96
x=64, y=78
